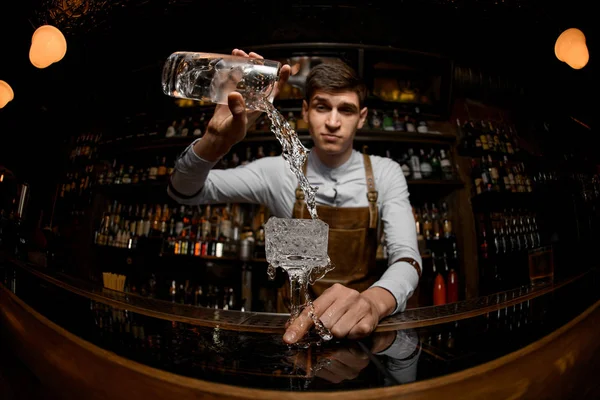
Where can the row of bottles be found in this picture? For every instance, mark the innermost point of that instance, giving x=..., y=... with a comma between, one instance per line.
x=191, y=126
x=487, y=136
x=425, y=164
x=433, y=223
x=211, y=296
x=85, y=146
x=445, y=284
x=73, y=191
x=491, y=175
x=77, y=184
x=215, y=231
x=421, y=164
x=393, y=120
x=511, y=232
x=502, y=321
x=118, y=173
x=437, y=244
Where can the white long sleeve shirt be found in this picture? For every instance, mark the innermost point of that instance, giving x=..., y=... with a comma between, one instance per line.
x=270, y=182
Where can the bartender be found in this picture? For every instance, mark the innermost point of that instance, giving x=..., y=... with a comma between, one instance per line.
x=356, y=192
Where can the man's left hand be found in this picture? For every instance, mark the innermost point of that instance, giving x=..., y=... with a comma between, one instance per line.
x=345, y=311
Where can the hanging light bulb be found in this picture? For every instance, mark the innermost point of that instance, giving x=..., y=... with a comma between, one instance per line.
x=48, y=45
x=6, y=94
x=570, y=48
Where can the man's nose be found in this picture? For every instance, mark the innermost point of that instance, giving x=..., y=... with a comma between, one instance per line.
x=333, y=120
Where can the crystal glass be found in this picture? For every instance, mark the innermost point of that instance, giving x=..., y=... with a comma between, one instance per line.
x=299, y=246
x=211, y=77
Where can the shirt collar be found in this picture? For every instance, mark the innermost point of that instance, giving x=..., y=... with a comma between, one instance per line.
x=318, y=166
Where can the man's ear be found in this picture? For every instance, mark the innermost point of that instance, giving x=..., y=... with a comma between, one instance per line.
x=305, y=111
x=363, y=117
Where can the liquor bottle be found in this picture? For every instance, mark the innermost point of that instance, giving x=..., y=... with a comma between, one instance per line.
x=376, y=121
x=504, y=178
x=477, y=177
x=445, y=165
x=185, y=127
x=409, y=124
x=171, y=130
x=494, y=175
x=486, y=176
x=398, y=122
x=154, y=169
x=405, y=165
x=388, y=122
x=499, y=139
x=161, y=171
x=245, y=255
x=427, y=224
x=483, y=137
x=452, y=289
x=489, y=135
x=484, y=244
x=421, y=124
x=464, y=136
x=196, y=128
x=259, y=235
x=436, y=165
x=436, y=224
x=439, y=286
x=446, y=222
x=291, y=119
x=508, y=142
x=415, y=164
x=419, y=228
x=426, y=168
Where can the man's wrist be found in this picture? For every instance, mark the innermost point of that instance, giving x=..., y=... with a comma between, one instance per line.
x=382, y=299
x=210, y=148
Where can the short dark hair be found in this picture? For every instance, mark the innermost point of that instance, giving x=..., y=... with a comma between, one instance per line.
x=334, y=76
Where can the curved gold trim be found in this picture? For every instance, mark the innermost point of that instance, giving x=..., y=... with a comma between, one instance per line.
x=275, y=323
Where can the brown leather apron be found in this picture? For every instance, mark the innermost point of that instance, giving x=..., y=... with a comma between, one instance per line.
x=352, y=242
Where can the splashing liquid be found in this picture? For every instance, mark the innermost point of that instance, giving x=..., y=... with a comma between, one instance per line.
x=294, y=152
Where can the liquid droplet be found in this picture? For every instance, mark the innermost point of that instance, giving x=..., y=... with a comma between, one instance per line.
x=271, y=272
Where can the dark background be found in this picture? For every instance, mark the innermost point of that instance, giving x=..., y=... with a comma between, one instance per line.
x=116, y=49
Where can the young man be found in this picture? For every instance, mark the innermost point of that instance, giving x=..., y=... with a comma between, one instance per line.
x=355, y=193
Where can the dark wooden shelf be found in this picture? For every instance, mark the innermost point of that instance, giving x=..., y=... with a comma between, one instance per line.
x=497, y=155
x=159, y=187
x=136, y=144
x=496, y=201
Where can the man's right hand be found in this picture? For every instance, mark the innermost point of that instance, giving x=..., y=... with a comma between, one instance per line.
x=229, y=123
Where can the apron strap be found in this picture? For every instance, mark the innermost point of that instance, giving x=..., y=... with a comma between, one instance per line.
x=300, y=208
x=412, y=262
x=299, y=205
x=371, y=192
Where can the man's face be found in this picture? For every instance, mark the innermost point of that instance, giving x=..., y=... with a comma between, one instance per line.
x=333, y=119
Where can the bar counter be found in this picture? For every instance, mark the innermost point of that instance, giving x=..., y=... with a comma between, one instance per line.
x=81, y=340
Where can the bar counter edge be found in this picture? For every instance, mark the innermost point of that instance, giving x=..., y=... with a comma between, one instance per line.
x=552, y=367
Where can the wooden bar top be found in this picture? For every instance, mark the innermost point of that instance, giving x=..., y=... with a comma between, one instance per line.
x=82, y=341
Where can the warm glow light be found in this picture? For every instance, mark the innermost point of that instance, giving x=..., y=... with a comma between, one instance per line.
x=570, y=48
x=48, y=45
x=6, y=94
x=2, y=178
x=577, y=56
